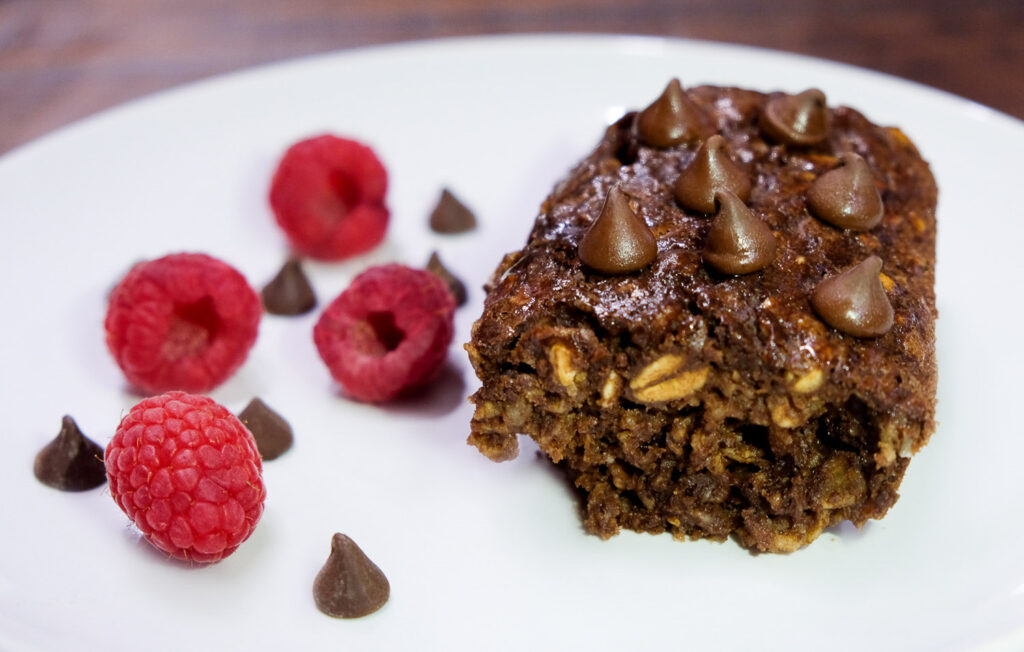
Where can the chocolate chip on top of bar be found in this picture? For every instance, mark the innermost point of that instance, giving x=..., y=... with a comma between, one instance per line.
x=847, y=196
x=672, y=119
x=710, y=171
x=618, y=241
x=796, y=119
x=854, y=301
x=738, y=242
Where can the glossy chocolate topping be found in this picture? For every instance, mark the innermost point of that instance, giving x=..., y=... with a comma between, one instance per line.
x=71, y=462
x=272, y=433
x=672, y=119
x=847, y=196
x=752, y=313
x=349, y=585
x=290, y=292
x=738, y=242
x=455, y=286
x=710, y=171
x=451, y=216
x=855, y=301
x=618, y=242
x=796, y=119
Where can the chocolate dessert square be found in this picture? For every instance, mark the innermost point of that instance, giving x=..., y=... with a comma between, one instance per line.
x=722, y=323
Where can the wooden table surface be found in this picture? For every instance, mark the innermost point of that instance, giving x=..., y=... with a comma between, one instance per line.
x=61, y=60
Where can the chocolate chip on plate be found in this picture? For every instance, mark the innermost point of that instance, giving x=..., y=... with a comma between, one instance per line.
x=456, y=286
x=272, y=433
x=349, y=585
x=451, y=216
x=72, y=461
x=290, y=292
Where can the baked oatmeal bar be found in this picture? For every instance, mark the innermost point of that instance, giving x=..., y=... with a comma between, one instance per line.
x=722, y=323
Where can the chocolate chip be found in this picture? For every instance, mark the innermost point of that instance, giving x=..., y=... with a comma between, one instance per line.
x=796, y=119
x=349, y=585
x=289, y=293
x=672, y=119
x=451, y=215
x=710, y=171
x=854, y=301
x=72, y=461
x=846, y=196
x=455, y=286
x=618, y=241
x=622, y=139
x=738, y=242
x=272, y=433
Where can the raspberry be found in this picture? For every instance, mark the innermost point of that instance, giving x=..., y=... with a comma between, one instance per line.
x=184, y=321
x=187, y=473
x=388, y=333
x=328, y=196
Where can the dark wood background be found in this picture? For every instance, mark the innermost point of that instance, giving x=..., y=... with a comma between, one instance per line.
x=64, y=59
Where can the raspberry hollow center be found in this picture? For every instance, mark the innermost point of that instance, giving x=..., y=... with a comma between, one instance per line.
x=347, y=192
x=193, y=327
x=386, y=331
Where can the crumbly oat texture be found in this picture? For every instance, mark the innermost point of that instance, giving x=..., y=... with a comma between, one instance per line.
x=678, y=398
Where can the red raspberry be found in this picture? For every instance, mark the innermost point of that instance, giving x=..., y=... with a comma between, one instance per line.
x=184, y=321
x=328, y=196
x=388, y=333
x=187, y=473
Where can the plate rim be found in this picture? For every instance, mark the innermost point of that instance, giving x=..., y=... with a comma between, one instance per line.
x=508, y=40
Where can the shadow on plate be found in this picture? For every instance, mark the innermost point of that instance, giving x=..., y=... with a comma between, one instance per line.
x=443, y=395
x=147, y=549
x=849, y=532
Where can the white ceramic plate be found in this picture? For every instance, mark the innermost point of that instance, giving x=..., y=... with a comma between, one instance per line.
x=480, y=555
